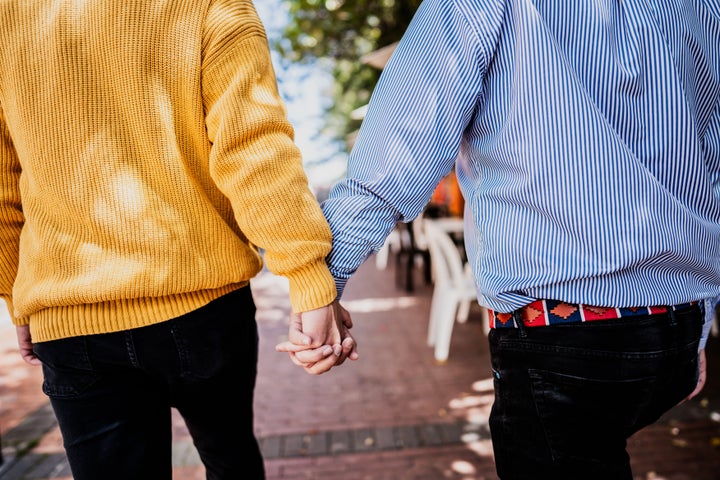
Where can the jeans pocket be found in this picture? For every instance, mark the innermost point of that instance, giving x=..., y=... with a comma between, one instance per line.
x=67, y=370
x=219, y=336
x=588, y=418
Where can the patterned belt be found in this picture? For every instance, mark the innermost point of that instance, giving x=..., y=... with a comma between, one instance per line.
x=553, y=312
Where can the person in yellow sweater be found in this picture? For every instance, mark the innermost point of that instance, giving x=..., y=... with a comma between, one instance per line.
x=147, y=169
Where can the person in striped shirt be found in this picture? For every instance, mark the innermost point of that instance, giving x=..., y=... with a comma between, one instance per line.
x=586, y=140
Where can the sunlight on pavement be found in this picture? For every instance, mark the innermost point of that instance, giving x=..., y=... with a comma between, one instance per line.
x=271, y=295
x=369, y=305
x=464, y=468
x=484, y=386
x=482, y=448
x=474, y=408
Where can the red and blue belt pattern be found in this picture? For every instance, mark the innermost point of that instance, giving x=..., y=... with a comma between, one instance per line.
x=553, y=312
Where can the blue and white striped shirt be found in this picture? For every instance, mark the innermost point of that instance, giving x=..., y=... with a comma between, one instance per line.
x=586, y=140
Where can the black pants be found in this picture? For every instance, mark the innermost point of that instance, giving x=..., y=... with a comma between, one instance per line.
x=112, y=394
x=567, y=397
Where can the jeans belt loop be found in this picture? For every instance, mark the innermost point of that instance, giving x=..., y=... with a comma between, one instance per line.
x=517, y=318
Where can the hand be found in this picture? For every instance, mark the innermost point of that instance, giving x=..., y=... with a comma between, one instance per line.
x=319, y=339
x=702, y=367
x=25, y=345
x=349, y=345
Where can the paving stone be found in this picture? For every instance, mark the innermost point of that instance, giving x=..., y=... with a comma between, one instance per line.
x=387, y=438
x=270, y=446
x=364, y=440
x=340, y=442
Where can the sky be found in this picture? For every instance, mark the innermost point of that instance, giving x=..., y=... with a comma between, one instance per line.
x=304, y=89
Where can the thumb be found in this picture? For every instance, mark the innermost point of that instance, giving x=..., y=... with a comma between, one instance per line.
x=295, y=333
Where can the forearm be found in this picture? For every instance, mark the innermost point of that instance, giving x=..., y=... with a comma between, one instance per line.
x=11, y=214
x=256, y=164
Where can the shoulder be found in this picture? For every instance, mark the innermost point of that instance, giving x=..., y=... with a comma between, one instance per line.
x=232, y=19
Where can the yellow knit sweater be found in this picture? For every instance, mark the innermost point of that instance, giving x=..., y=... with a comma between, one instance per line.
x=145, y=158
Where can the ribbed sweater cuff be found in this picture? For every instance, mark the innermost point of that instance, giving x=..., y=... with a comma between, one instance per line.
x=312, y=287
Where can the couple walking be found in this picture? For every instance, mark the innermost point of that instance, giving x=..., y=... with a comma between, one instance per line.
x=147, y=161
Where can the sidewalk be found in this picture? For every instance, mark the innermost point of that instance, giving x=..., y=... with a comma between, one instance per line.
x=392, y=415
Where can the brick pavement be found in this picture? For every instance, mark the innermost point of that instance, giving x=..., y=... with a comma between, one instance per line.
x=394, y=414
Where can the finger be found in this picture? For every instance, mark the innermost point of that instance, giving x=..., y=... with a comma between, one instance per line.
x=295, y=331
x=339, y=352
x=349, y=345
x=322, y=366
x=288, y=346
x=347, y=350
x=350, y=348
x=314, y=355
x=29, y=357
x=345, y=316
x=297, y=362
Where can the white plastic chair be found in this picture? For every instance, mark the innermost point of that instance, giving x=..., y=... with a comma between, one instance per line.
x=453, y=290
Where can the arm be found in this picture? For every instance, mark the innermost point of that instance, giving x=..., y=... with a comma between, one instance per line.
x=256, y=164
x=11, y=223
x=254, y=160
x=425, y=99
x=413, y=131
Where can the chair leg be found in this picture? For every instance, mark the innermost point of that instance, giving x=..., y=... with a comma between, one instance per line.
x=435, y=313
x=463, y=311
x=445, y=323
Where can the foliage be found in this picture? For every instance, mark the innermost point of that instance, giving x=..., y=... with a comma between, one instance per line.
x=342, y=31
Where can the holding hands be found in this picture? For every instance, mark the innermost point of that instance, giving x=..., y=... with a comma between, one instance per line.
x=320, y=339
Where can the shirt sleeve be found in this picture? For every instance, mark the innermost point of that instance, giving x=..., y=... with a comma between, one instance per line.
x=11, y=214
x=254, y=160
x=411, y=136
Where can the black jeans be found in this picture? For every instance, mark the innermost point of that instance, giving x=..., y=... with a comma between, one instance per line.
x=112, y=394
x=567, y=397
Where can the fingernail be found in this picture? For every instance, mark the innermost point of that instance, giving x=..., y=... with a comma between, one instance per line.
x=338, y=350
x=327, y=351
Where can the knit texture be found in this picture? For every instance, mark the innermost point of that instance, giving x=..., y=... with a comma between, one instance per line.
x=146, y=161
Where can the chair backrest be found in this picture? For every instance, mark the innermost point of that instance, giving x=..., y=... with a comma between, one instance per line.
x=444, y=256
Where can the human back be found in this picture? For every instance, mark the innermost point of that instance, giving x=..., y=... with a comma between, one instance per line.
x=128, y=183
